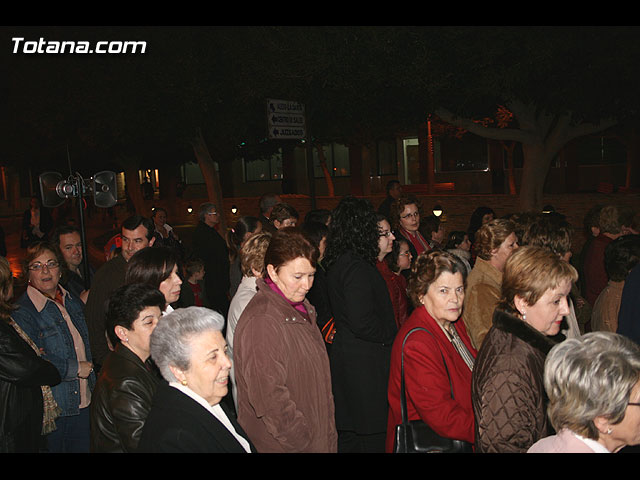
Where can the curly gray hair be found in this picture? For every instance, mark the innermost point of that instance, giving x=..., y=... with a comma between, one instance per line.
x=171, y=339
x=590, y=376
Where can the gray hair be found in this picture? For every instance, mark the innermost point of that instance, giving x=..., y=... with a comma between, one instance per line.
x=171, y=339
x=590, y=376
x=204, y=209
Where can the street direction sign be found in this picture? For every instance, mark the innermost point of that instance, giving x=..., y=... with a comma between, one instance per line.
x=285, y=119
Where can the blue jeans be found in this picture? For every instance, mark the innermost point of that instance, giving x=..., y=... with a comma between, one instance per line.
x=71, y=434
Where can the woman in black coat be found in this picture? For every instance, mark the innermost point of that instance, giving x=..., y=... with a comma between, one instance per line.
x=187, y=415
x=365, y=327
x=25, y=379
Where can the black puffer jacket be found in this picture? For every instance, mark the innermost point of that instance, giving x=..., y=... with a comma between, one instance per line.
x=121, y=401
x=509, y=400
x=22, y=372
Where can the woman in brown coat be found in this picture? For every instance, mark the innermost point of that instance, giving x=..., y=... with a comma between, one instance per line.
x=285, y=401
x=507, y=389
x=495, y=242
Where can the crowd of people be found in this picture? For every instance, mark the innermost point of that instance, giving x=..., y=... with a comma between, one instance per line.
x=323, y=334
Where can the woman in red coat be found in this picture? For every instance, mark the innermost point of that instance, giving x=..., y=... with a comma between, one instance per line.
x=436, y=288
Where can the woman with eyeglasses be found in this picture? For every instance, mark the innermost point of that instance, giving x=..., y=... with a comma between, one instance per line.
x=405, y=220
x=54, y=319
x=396, y=284
x=365, y=327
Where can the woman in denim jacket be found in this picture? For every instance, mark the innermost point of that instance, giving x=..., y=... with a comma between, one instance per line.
x=54, y=319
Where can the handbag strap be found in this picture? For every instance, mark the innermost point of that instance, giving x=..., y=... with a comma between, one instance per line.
x=403, y=397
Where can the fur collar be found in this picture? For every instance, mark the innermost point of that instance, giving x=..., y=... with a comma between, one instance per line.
x=510, y=324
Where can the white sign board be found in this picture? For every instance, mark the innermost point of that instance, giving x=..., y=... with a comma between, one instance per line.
x=285, y=120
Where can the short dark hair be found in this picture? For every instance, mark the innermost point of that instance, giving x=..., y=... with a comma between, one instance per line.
x=126, y=303
x=134, y=221
x=621, y=255
x=33, y=251
x=426, y=270
x=151, y=265
x=321, y=215
x=194, y=265
x=392, y=257
x=315, y=232
x=428, y=225
x=282, y=211
x=155, y=210
x=267, y=201
x=235, y=236
x=455, y=239
x=62, y=230
x=286, y=245
x=398, y=207
x=549, y=231
x=391, y=184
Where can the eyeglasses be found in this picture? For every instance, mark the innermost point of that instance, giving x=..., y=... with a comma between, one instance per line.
x=386, y=234
x=634, y=404
x=51, y=264
x=407, y=253
x=212, y=213
x=414, y=214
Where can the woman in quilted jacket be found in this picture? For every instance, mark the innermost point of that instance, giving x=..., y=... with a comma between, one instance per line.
x=508, y=395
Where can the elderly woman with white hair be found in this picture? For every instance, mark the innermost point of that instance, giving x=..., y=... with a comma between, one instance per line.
x=186, y=415
x=593, y=384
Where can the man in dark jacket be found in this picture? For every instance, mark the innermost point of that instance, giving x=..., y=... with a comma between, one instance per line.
x=209, y=246
x=137, y=233
x=67, y=240
x=394, y=190
x=267, y=202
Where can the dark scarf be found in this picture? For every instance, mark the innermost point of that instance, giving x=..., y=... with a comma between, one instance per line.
x=522, y=330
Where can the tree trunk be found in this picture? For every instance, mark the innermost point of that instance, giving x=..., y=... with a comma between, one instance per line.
x=327, y=175
x=210, y=174
x=534, y=174
x=510, y=147
x=542, y=136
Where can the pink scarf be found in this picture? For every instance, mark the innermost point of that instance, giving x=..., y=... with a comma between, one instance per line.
x=297, y=305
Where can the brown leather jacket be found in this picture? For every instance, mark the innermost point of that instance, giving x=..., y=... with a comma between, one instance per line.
x=508, y=396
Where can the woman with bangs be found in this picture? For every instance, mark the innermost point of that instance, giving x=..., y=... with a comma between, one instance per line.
x=285, y=401
x=437, y=359
x=158, y=267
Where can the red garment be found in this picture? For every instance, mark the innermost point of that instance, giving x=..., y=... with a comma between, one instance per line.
x=595, y=275
x=197, y=293
x=397, y=286
x=426, y=380
x=417, y=240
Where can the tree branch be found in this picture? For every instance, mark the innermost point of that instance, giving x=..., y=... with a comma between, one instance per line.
x=486, y=132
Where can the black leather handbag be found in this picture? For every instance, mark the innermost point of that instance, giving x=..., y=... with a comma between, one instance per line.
x=416, y=436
